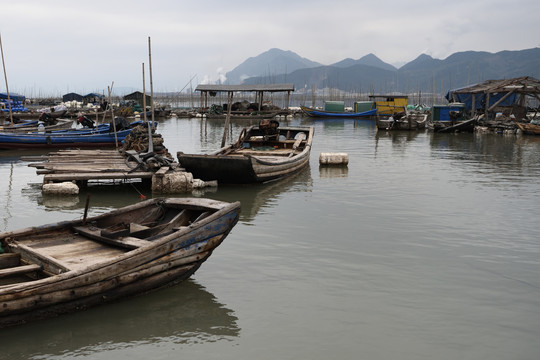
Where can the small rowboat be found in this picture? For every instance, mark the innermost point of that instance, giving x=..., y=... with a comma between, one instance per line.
x=66, y=266
x=528, y=128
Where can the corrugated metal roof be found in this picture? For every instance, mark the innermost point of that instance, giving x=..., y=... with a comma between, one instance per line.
x=523, y=84
x=227, y=88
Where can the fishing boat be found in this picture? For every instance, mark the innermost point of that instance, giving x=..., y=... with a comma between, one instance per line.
x=66, y=266
x=261, y=153
x=340, y=114
x=453, y=127
x=101, y=136
x=25, y=126
x=529, y=128
x=403, y=121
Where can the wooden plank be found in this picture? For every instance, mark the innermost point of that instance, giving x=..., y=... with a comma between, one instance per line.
x=8, y=260
x=50, y=264
x=94, y=233
x=18, y=270
x=97, y=176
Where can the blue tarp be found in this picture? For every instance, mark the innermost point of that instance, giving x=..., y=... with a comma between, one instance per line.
x=480, y=99
x=12, y=96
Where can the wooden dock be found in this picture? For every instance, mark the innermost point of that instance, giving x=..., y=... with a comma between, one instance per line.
x=85, y=165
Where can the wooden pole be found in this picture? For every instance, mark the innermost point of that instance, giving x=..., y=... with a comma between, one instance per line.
x=109, y=88
x=86, y=209
x=150, y=141
x=7, y=88
x=151, y=81
x=227, y=119
x=144, y=95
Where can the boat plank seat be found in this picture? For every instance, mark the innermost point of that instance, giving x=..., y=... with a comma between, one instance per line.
x=275, y=152
x=19, y=270
x=95, y=233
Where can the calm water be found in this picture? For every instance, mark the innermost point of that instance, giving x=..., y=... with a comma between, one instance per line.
x=426, y=246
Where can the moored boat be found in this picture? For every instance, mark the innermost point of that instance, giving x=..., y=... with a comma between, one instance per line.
x=261, y=153
x=25, y=126
x=337, y=114
x=101, y=136
x=406, y=121
x=529, y=128
x=66, y=266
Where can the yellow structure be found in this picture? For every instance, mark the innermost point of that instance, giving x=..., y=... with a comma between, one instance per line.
x=389, y=104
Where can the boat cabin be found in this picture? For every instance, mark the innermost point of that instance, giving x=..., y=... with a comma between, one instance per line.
x=389, y=104
x=451, y=113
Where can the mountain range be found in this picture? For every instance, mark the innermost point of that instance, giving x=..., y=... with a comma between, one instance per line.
x=371, y=74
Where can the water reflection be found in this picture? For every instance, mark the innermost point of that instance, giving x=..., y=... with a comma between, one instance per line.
x=256, y=198
x=396, y=136
x=103, y=196
x=333, y=171
x=499, y=150
x=183, y=314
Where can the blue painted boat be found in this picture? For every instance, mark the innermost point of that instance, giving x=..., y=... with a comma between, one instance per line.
x=335, y=114
x=102, y=136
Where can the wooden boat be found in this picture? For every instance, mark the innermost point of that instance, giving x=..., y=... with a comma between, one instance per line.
x=260, y=154
x=409, y=121
x=528, y=128
x=246, y=115
x=71, y=265
x=101, y=136
x=33, y=125
x=450, y=127
x=332, y=114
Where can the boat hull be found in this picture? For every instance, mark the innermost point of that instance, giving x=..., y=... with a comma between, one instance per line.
x=89, y=278
x=330, y=114
x=409, y=122
x=527, y=128
x=242, y=163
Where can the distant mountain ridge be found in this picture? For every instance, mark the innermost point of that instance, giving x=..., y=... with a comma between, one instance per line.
x=273, y=61
x=371, y=74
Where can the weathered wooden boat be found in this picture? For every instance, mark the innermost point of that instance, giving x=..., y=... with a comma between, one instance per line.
x=261, y=153
x=454, y=126
x=71, y=265
x=25, y=126
x=409, y=121
x=333, y=114
x=528, y=128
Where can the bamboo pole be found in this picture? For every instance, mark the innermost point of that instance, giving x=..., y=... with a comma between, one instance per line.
x=150, y=141
x=7, y=87
x=112, y=115
x=144, y=94
x=151, y=81
x=228, y=118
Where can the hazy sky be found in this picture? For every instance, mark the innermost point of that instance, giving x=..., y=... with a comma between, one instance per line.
x=52, y=47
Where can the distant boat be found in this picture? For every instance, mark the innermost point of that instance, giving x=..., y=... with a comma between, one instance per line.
x=409, y=121
x=260, y=154
x=450, y=127
x=333, y=114
x=66, y=266
x=528, y=128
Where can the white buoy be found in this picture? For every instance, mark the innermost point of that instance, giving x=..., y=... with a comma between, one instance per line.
x=334, y=159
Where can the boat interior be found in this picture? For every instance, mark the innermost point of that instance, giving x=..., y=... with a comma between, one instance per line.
x=270, y=140
x=36, y=254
